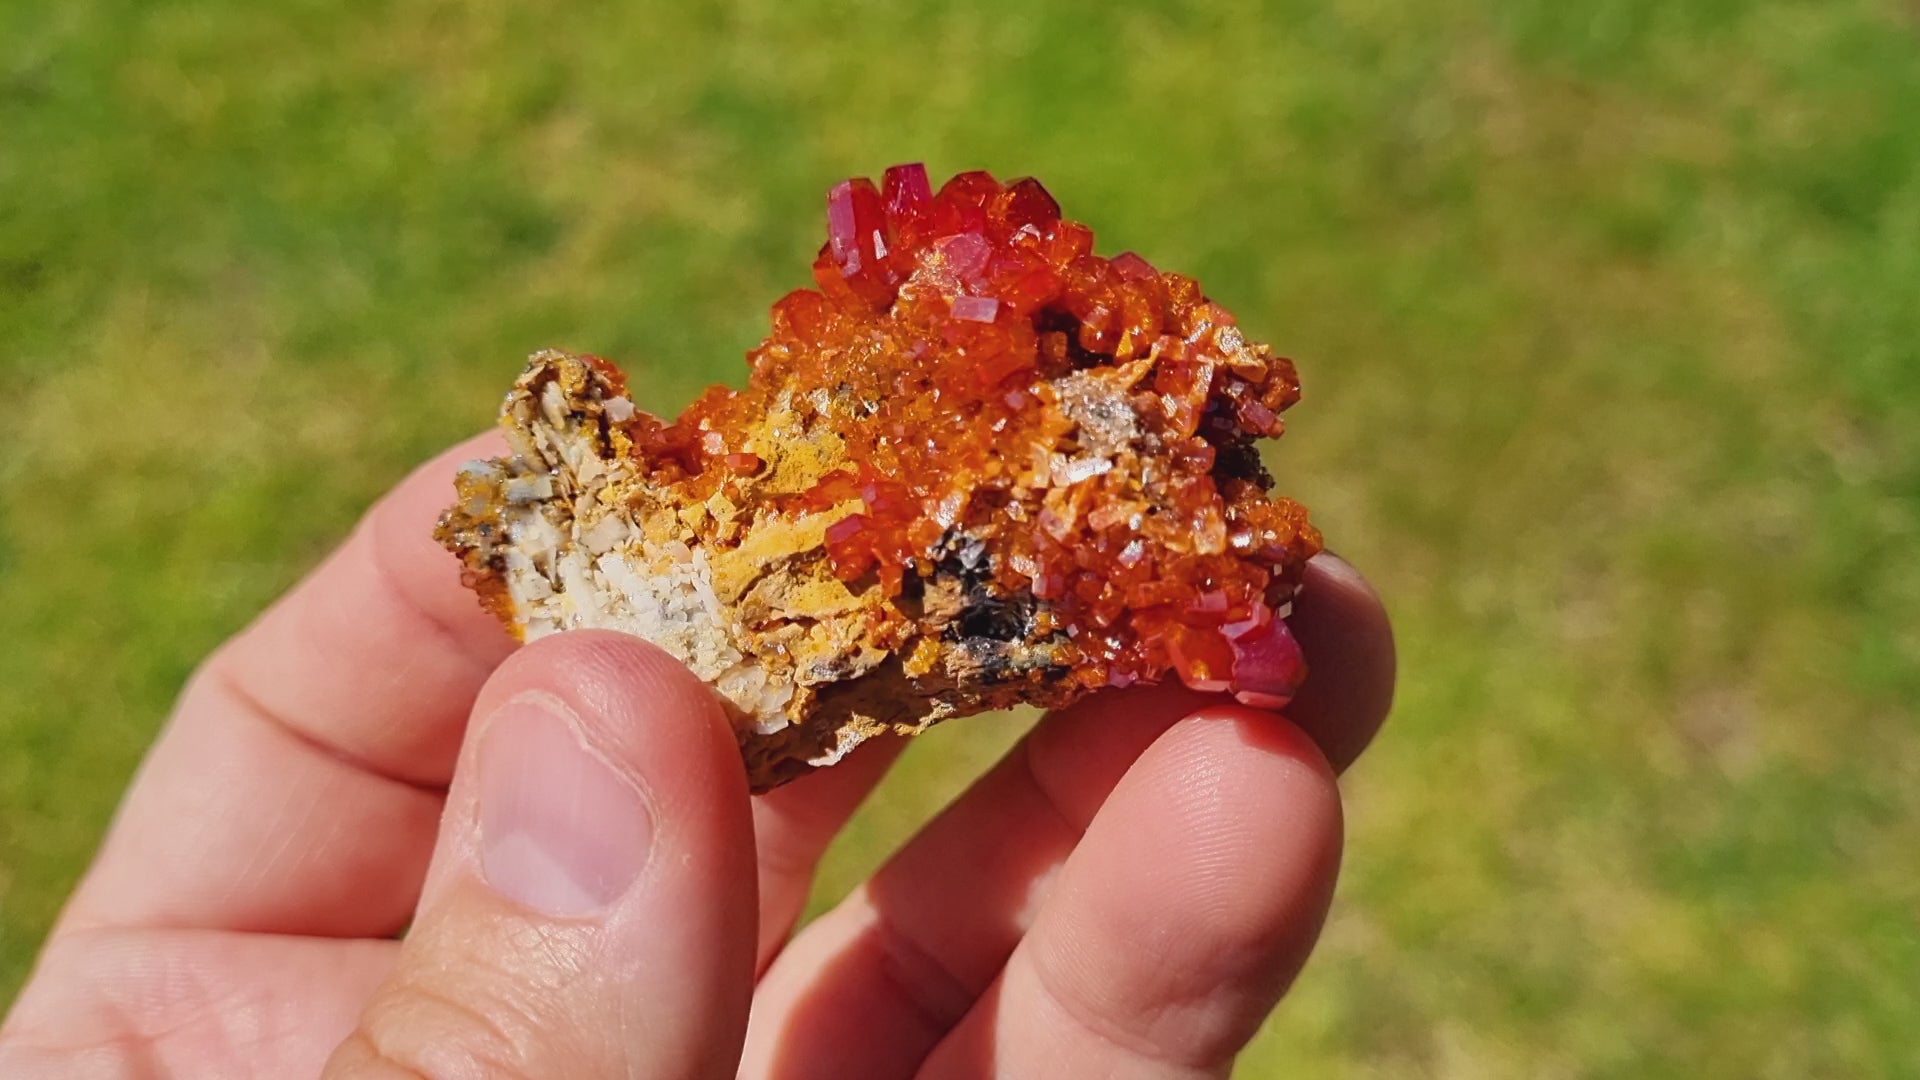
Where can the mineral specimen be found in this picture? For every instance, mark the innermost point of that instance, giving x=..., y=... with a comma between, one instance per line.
x=978, y=466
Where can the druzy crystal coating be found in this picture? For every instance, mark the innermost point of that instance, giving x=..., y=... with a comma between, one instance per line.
x=976, y=465
x=959, y=335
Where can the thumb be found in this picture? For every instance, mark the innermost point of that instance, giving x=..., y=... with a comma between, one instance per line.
x=590, y=907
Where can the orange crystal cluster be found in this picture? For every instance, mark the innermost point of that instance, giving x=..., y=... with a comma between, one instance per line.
x=1061, y=425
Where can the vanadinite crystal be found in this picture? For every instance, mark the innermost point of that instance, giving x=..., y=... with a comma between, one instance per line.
x=978, y=465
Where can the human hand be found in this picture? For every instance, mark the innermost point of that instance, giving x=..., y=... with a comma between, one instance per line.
x=565, y=836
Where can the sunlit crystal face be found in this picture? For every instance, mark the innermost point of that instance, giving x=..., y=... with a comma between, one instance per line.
x=1013, y=412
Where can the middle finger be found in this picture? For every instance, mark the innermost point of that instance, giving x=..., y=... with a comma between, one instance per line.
x=901, y=960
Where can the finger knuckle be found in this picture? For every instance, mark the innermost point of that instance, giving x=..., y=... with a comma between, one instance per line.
x=417, y=1030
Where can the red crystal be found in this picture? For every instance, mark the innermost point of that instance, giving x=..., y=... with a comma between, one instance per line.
x=1026, y=204
x=1258, y=418
x=906, y=193
x=975, y=308
x=1132, y=267
x=856, y=228
x=1267, y=666
x=1203, y=658
x=803, y=312
x=975, y=188
x=961, y=205
x=1259, y=617
x=846, y=528
x=965, y=256
x=1031, y=290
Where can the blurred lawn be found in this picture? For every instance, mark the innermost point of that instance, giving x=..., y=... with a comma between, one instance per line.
x=1609, y=314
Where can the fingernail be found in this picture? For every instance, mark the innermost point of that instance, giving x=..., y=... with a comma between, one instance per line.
x=560, y=830
x=1333, y=563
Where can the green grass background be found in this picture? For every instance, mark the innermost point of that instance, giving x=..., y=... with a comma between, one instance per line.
x=1608, y=313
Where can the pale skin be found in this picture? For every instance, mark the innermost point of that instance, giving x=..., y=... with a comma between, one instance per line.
x=1128, y=893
